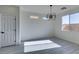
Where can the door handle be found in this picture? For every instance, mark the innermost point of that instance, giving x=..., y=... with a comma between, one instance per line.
x=2, y=32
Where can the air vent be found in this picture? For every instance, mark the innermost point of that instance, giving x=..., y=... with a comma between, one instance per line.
x=63, y=8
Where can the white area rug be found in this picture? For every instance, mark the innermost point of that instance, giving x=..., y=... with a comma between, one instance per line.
x=39, y=45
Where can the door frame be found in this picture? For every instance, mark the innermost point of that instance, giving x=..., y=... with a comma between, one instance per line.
x=0, y=31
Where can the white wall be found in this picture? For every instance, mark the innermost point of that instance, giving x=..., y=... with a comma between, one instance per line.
x=72, y=36
x=34, y=29
x=14, y=11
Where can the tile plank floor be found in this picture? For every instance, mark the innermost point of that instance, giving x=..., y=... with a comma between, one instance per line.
x=67, y=48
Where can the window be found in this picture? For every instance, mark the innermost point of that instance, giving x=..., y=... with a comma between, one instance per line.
x=65, y=23
x=70, y=22
x=74, y=21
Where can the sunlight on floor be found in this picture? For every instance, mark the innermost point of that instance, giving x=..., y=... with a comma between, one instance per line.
x=39, y=45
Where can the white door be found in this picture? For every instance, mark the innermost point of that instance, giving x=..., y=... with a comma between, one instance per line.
x=8, y=30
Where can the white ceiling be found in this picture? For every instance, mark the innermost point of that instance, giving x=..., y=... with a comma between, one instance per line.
x=44, y=9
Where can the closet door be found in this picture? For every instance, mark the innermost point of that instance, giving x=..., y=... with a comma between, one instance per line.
x=8, y=30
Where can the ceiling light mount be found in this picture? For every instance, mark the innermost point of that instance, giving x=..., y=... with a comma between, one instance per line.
x=34, y=17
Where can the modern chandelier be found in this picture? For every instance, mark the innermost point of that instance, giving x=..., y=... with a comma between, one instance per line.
x=50, y=15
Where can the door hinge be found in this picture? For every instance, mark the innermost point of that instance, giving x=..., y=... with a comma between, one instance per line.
x=15, y=18
x=15, y=41
x=14, y=30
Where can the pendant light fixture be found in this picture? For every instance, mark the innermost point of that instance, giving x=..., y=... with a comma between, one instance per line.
x=50, y=15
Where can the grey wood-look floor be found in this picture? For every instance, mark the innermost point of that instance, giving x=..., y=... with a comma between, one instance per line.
x=67, y=48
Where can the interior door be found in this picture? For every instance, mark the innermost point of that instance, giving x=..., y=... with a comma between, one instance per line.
x=8, y=30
